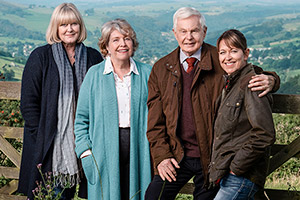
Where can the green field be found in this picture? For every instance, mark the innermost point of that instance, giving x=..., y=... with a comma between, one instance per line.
x=11, y=39
x=17, y=69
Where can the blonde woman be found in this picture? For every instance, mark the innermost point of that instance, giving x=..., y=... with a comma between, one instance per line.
x=50, y=85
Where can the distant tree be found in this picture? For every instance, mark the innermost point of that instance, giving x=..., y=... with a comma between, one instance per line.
x=292, y=86
x=89, y=12
x=20, y=60
x=292, y=47
x=288, y=35
x=97, y=32
x=31, y=6
x=8, y=74
x=277, y=49
x=283, y=64
x=8, y=29
x=4, y=53
x=295, y=60
x=266, y=44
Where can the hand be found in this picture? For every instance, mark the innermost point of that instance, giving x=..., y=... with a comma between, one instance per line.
x=166, y=169
x=262, y=82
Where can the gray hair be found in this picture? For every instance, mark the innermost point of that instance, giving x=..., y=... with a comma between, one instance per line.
x=186, y=12
x=120, y=25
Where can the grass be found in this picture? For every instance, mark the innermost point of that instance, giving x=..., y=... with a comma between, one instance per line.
x=18, y=70
x=12, y=39
x=291, y=183
x=291, y=26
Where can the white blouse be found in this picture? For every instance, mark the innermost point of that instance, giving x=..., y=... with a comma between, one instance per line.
x=123, y=89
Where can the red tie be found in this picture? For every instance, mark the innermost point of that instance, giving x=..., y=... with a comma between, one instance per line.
x=191, y=61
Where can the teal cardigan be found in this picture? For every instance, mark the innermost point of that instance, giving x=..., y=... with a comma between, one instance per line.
x=97, y=127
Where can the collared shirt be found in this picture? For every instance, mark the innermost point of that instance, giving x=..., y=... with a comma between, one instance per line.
x=183, y=58
x=123, y=89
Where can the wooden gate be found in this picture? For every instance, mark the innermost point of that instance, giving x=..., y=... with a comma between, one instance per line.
x=11, y=91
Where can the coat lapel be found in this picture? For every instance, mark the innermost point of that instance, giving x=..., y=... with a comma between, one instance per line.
x=111, y=133
x=135, y=97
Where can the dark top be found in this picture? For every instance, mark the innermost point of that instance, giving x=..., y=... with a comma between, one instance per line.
x=39, y=100
x=243, y=130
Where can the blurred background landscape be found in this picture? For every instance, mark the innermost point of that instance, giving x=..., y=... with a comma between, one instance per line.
x=272, y=28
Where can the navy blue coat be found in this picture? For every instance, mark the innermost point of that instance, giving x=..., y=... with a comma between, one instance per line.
x=39, y=100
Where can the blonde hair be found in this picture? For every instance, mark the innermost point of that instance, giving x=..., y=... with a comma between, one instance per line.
x=65, y=13
x=120, y=25
x=186, y=12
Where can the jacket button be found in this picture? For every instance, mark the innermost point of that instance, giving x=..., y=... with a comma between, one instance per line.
x=167, y=64
x=175, y=71
x=213, y=163
x=217, y=138
x=171, y=66
x=237, y=104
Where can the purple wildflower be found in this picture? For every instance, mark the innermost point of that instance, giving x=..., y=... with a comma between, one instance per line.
x=39, y=166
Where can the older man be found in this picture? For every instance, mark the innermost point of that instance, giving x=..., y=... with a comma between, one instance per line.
x=183, y=87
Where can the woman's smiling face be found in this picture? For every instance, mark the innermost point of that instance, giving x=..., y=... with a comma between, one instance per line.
x=120, y=47
x=231, y=58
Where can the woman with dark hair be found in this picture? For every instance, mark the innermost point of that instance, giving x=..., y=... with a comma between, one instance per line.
x=50, y=85
x=243, y=128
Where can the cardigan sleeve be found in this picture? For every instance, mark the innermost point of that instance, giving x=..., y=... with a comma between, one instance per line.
x=31, y=90
x=82, y=119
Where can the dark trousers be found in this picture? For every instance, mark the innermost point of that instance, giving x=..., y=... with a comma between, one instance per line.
x=124, y=144
x=189, y=167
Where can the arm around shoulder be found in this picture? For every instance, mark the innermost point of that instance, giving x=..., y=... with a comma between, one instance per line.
x=272, y=79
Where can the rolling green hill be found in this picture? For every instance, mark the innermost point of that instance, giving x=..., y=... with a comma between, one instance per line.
x=273, y=32
x=7, y=65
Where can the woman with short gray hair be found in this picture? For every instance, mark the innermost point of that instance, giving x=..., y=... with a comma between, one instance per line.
x=111, y=119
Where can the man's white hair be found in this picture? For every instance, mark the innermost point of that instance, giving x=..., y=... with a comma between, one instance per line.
x=186, y=12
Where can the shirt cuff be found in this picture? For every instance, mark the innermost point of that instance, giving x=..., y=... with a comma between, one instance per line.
x=85, y=154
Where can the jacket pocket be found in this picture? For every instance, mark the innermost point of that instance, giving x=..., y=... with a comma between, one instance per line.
x=224, y=161
x=234, y=109
x=88, y=165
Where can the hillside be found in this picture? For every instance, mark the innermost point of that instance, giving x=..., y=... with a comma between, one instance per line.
x=273, y=31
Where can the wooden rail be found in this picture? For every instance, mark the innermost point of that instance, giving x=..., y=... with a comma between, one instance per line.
x=10, y=91
x=287, y=104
